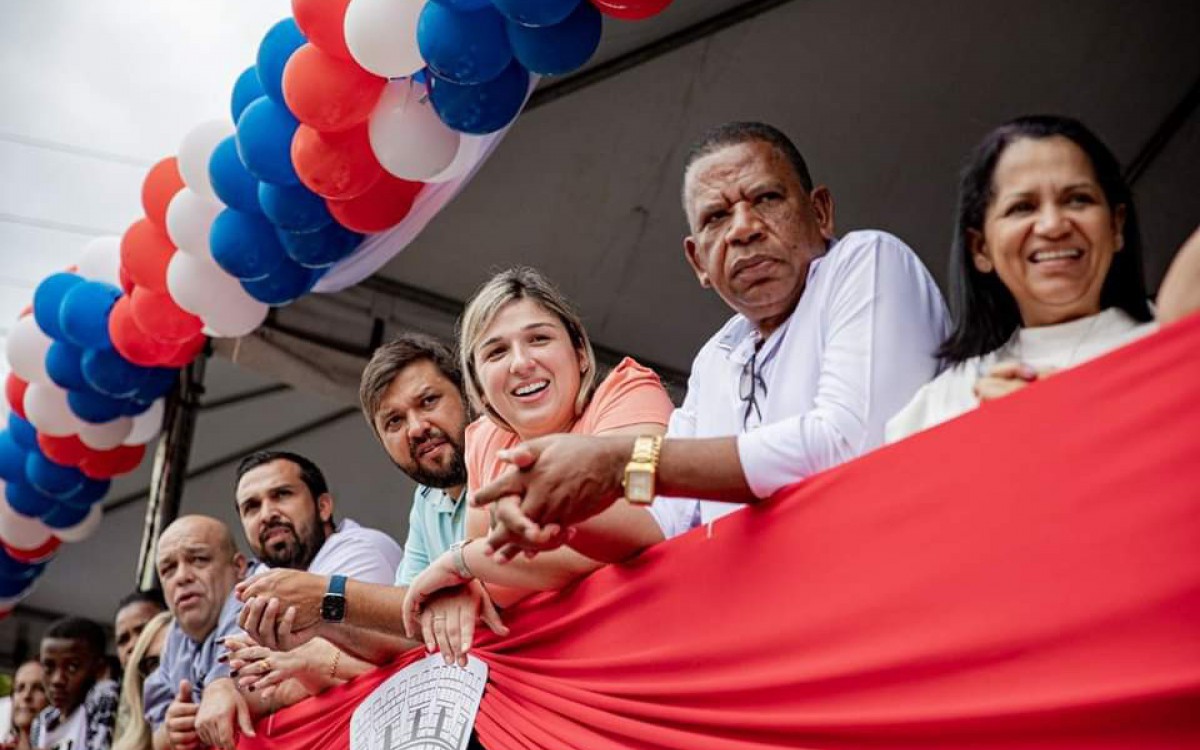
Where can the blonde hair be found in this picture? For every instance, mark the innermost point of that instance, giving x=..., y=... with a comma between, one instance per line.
x=521, y=282
x=132, y=732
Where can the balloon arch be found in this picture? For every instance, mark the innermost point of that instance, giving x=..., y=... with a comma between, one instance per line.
x=354, y=112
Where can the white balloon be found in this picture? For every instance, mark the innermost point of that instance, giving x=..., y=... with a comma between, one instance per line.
x=47, y=410
x=239, y=320
x=101, y=261
x=84, y=528
x=21, y=531
x=195, y=151
x=189, y=219
x=106, y=435
x=382, y=36
x=26, y=348
x=199, y=286
x=147, y=425
x=471, y=149
x=407, y=136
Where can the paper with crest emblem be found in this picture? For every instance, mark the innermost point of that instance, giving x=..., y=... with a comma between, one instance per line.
x=425, y=706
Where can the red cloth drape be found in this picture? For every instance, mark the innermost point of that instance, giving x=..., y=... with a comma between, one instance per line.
x=1026, y=576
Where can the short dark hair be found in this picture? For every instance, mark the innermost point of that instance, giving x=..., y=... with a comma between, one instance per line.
x=736, y=133
x=392, y=358
x=79, y=629
x=149, y=596
x=984, y=312
x=309, y=473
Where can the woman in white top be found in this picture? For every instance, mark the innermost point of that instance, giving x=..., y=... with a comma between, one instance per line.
x=1046, y=267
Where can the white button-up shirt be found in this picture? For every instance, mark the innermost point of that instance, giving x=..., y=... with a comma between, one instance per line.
x=859, y=344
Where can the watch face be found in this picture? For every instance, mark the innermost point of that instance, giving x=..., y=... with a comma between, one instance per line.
x=333, y=608
x=641, y=485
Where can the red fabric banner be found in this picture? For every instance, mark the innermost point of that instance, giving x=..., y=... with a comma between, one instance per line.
x=1026, y=576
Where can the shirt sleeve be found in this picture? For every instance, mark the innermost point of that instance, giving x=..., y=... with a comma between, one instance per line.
x=884, y=320
x=227, y=626
x=631, y=394
x=674, y=515
x=416, y=547
x=157, y=692
x=367, y=555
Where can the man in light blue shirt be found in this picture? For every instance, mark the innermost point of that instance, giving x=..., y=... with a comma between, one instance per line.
x=436, y=521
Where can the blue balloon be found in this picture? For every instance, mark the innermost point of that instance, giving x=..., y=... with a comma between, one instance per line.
x=14, y=589
x=12, y=458
x=92, y=492
x=247, y=89
x=264, y=141
x=481, y=109
x=51, y=479
x=277, y=46
x=536, y=12
x=244, y=245
x=63, y=516
x=27, y=500
x=109, y=374
x=94, y=407
x=320, y=249
x=84, y=314
x=47, y=301
x=235, y=186
x=466, y=47
x=16, y=570
x=293, y=208
x=465, y=4
x=287, y=283
x=159, y=382
x=422, y=76
x=134, y=407
x=555, y=50
x=64, y=365
x=22, y=432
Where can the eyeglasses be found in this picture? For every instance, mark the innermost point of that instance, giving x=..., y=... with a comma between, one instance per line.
x=148, y=665
x=748, y=385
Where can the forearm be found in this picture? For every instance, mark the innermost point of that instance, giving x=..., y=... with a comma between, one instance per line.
x=514, y=580
x=617, y=534
x=705, y=468
x=1179, y=294
x=372, y=646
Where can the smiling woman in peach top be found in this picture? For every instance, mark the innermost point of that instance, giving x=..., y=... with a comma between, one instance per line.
x=529, y=369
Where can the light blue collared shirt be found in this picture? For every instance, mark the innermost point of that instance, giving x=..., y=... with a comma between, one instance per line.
x=436, y=521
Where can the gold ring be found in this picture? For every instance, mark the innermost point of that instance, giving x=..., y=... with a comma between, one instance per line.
x=266, y=665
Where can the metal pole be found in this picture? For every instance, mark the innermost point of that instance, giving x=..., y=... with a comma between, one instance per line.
x=170, y=466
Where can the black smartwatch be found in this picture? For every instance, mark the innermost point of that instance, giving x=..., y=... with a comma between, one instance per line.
x=333, y=606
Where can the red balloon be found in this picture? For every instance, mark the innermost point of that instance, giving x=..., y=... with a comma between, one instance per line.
x=327, y=93
x=322, y=22
x=340, y=166
x=126, y=282
x=131, y=342
x=158, y=315
x=631, y=10
x=14, y=393
x=161, y=184
x=64, y=451
x=145, y=252
x=108, y=464
x=35, y=555
x=382, y=207
x=186, y=352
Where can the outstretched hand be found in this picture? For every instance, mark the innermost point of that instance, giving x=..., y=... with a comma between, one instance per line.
x=553, y=483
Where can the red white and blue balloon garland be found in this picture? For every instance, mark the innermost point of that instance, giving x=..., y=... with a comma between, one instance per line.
x=352, y=108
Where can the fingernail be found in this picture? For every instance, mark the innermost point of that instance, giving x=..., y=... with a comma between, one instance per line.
x=234, y=673
x=251, y=688
x=223, y=658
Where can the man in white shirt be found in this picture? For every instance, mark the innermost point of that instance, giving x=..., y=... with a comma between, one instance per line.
x=830, y=338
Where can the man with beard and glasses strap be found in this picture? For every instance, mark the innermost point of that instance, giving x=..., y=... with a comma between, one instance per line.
x=287, y=513
x=411, y=395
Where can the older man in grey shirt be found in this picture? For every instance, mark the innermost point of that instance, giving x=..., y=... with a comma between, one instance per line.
x=190, y=701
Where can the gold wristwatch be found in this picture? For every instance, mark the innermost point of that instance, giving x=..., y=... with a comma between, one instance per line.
x=639, y=472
